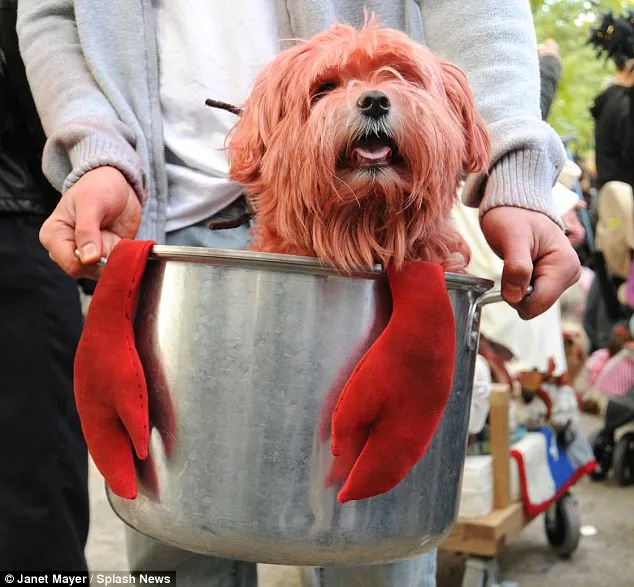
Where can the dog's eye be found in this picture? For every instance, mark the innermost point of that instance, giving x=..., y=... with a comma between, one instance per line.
x=323, y=89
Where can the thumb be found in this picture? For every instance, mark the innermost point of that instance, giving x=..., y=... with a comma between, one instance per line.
x=89, y=215
x=518, y=268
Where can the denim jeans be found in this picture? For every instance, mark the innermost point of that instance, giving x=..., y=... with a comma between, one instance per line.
x=194, y=570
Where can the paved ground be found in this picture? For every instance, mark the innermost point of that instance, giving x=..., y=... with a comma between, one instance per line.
x=603, y=559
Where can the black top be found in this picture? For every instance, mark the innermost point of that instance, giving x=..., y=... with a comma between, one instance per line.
x=613, y=112
x=23, y=187
x=549, y=75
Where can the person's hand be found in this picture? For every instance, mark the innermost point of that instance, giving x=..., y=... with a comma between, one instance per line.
x=92, y=216
x=535, y=252
x=549, y=47
x=575, y=231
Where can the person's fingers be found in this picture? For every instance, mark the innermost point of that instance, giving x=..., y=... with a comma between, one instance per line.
x=577, y=238
x=512, y=243
x=535, y=252
x=109, y=241
x=518, y=270
x=89, y=216
x=58, y=238
x=574, y=229
x=553, y=275
x=545, y=292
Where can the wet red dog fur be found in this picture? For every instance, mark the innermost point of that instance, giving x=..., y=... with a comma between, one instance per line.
x=326, y=180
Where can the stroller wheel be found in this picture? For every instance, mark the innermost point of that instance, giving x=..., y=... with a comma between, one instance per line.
x=563, y=526
x=602, y=446
x=624, y=460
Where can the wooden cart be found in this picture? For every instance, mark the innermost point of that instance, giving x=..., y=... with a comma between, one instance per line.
x=484, y=537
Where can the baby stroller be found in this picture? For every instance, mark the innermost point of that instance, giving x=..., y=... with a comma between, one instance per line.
x=609, y=453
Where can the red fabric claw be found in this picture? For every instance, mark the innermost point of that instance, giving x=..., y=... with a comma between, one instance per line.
x=391, y=406
x=110, y=388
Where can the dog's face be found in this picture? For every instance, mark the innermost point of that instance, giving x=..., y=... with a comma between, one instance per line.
x=352, y=145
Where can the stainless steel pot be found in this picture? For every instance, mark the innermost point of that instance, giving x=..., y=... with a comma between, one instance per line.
x=241, y=351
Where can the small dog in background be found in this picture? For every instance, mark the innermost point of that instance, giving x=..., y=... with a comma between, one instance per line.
x=351, y=147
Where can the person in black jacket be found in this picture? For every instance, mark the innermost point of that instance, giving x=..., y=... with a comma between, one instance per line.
x=44, y=509
x=613, y=112
x=549, y=74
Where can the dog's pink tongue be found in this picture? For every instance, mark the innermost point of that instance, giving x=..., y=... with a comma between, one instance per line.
x=373, y=153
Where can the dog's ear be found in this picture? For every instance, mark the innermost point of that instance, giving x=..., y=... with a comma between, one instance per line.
x=245, y=147
x=459, y=93
x=273, y=96
x=246, y=141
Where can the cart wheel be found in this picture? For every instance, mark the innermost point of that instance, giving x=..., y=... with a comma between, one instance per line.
x=624, y=460
x=563, y=526
x=602, y=447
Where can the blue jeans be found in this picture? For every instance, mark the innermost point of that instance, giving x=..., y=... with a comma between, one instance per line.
x=192, y=569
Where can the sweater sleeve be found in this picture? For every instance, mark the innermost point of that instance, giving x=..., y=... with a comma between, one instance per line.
x=494, y=42
x=83, y=129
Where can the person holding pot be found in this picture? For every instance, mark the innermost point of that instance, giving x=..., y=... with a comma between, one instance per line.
x=119, y=88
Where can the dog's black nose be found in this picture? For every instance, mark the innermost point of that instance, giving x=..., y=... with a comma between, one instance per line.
x=374, y=103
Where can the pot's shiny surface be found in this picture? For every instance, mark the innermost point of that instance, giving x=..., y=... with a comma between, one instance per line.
x=241, y=351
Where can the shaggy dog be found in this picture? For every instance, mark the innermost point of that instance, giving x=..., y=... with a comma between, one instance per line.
x=351, y=147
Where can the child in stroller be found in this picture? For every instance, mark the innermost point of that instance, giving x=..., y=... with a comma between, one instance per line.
x=609, y=453
x=615, y=383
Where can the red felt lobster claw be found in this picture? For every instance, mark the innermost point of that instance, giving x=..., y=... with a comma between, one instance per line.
x=390, y=407
x=110, y=386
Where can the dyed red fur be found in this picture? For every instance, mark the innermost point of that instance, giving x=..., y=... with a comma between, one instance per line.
x=285, y=148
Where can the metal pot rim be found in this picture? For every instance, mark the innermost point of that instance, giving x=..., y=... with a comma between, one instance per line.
x=291, y=263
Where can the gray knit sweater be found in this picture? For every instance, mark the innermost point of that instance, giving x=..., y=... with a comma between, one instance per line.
x=94, y=72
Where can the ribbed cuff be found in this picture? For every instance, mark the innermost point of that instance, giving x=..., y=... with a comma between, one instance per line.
x=524, y=179
x=100, y=150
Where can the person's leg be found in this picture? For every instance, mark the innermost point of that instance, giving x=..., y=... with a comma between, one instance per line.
x=419, y=571
x=145, y=554
x=593, y=303
x=44, y=512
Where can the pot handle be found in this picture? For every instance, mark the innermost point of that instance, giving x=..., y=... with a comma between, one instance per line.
x=472, y=334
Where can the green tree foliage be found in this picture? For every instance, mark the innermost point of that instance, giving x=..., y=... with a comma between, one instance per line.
x=569, y=22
